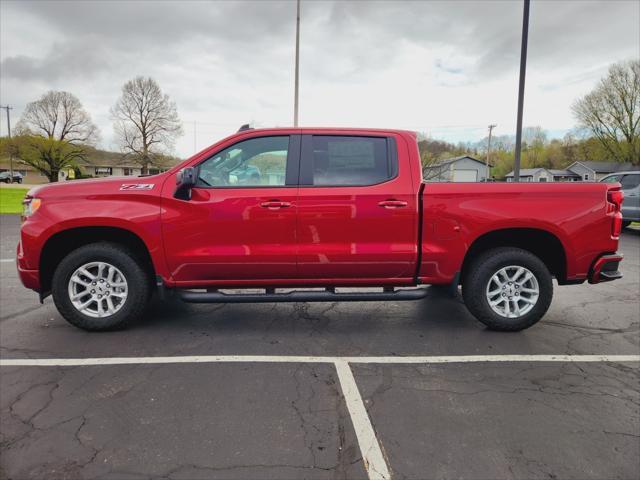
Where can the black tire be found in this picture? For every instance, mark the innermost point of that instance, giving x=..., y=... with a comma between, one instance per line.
x=626, y=223
x=479, y=274
x=138, y=285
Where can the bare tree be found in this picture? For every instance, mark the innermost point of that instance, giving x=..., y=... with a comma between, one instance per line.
x=145, y=121
x=53, y=132
x=611, y=112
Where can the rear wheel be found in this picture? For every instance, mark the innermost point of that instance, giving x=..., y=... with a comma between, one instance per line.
x=100, y=286
x=508, y=289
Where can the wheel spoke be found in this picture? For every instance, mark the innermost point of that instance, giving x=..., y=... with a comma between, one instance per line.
x=516, y=308
x=110, y=306
x=110, y=273
x=528, y=300
x=519, y=272
x=86, y=273
x=79, y=281
x=528, y=290
x=85, y=304
x=495, y=292
x=79, y=295
x=527, y=277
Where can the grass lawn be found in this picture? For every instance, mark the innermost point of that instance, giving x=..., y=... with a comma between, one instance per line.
x=11, y=199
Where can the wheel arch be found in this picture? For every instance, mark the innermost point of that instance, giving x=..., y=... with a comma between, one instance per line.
x=61, y=243
x=542, y=243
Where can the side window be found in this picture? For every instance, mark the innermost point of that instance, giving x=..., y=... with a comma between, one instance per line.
x=630, y=182
x=256, y=162
x=343, y=160
x=612, y=179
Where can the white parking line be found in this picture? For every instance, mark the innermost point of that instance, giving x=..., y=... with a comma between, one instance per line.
x=7, y=260
x=73, y=362
x=373, y=459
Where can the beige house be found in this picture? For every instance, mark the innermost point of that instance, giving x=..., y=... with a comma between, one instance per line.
x=99, y=163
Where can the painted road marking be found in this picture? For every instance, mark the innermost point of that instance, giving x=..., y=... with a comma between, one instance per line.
x=74, y=362
x=7, y=260
x=370, y=449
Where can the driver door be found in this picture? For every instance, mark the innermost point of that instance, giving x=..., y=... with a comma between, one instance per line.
x=239, y=227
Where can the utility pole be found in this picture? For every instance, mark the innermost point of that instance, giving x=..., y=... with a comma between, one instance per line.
x=7, y=108
x=295, y=99
x=491, y=127
x=523, y=71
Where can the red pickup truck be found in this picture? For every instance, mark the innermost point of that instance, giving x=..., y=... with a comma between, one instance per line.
x=313, y=210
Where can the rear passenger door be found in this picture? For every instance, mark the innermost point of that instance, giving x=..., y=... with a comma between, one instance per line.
x=357, y=209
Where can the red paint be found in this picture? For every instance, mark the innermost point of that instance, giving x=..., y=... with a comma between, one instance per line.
x=322, y=236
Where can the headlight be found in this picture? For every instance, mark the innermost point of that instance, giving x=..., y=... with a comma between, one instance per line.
x=29, y=206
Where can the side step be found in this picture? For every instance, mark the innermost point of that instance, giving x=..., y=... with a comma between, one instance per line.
x=329, y=295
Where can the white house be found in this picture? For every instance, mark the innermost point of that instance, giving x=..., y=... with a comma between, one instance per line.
x=457, y=169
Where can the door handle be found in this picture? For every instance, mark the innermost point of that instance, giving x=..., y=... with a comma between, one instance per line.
x=392, y=204
x=275, y=204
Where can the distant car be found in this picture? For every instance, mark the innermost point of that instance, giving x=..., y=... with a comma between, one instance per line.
x=630, y=182
x=6, y=177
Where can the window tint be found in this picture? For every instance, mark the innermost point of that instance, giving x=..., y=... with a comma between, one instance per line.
x=351, y=161
x=252, y=163
x=630, y=181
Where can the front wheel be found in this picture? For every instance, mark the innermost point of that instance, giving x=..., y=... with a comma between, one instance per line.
x=101, y=286
x=507, y=289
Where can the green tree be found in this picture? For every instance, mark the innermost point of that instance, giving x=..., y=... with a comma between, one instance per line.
x=53, y=132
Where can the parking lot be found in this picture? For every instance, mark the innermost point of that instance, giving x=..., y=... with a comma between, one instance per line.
x=416, y=390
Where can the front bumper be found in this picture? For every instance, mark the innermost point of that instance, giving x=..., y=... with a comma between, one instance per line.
x=30, y=278
x=605, y=268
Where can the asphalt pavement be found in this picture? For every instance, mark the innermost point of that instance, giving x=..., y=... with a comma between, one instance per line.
x=278, y=419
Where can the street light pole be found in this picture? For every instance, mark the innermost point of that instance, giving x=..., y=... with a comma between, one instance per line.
x=523, y=70
x=7, y=108
x=491, y=127
x=295, y=99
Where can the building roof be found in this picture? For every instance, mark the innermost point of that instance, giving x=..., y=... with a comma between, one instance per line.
x=605, y=167
x=526, y=172
x=448, y=161
x=563, y=173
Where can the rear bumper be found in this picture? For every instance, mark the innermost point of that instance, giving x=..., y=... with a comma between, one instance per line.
x=605, y=268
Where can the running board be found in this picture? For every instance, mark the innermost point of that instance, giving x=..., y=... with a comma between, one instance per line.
x=329, y=295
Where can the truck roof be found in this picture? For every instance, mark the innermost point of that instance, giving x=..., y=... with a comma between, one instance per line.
x=329, y=129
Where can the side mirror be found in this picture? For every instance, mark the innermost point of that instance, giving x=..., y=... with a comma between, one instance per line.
x=185, y=181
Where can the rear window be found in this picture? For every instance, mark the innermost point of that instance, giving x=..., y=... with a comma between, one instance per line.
x=344, y=160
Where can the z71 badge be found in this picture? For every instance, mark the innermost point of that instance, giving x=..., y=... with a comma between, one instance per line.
x=137, y=186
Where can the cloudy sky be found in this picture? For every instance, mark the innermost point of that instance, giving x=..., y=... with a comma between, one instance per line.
x=447, y=68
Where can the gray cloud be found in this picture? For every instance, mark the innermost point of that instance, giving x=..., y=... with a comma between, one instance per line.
x=226, y=62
